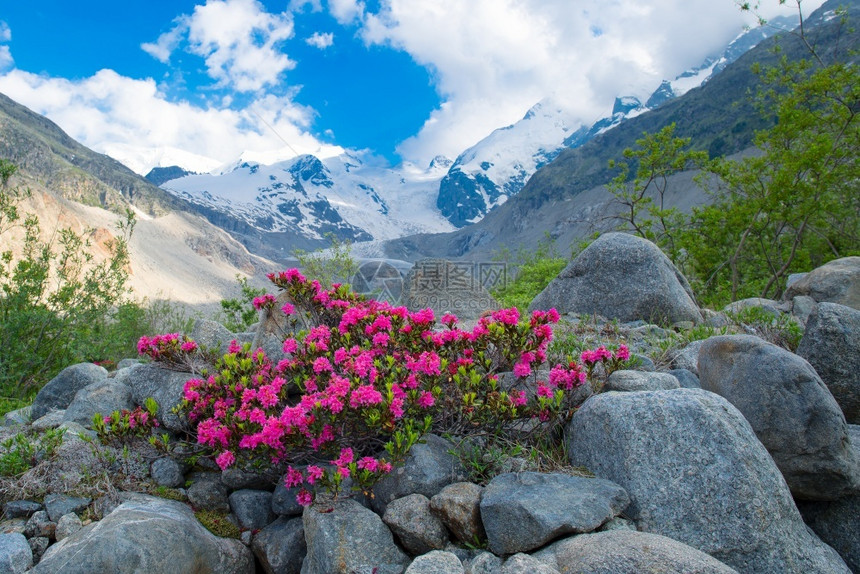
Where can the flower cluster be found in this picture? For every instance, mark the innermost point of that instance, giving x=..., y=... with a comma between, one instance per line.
x=169, y=348
x=125, y=423
x=356, y=389
x=609, y=360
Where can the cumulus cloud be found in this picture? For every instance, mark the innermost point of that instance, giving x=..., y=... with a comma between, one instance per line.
x=108, y=109
x=346, y=11
x=238, y=40
x=494, y=59
x=321, y=41
x=6, y=60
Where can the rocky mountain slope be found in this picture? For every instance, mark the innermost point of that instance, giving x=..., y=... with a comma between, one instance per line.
x=566, y=198
x=175, y=254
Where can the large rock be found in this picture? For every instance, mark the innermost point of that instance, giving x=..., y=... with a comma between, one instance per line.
x=164, y=385
x=345, y=537
x=628, y=381
x=104, y=397
x=15, y=553
x=428, y=467
x=147, y=534
x=60, y=390
x=838, y=524
x=280, y=546
x=523, y=511
x=628, y=552
x=790, y=409
x=458, y=506
x=415, y=526
x=696, y=472
x=436, y=562
x=624, y=277
x=211, y=335
x=835, y=282
x=831, y=343
x=448, y=287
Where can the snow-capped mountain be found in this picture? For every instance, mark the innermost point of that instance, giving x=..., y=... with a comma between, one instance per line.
x=310, y=197
x=496, y=168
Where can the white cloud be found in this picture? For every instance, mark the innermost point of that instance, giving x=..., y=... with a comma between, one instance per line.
x=493, y=59
x=5, y=32
x=107, y=110
x=321, y=41
x=346, y=11
x=238, y=40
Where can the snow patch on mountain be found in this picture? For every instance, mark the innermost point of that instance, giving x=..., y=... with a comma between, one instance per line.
x=143, y=160
x=340, y=195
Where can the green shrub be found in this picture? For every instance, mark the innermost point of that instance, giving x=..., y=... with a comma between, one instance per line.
x=534, y=271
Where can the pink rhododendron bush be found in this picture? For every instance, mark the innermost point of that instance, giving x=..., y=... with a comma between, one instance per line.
x=360, y=381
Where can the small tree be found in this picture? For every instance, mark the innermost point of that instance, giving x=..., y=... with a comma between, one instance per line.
x=643, y=200
x=57, y=303
x=239, y=314
x=332, y=265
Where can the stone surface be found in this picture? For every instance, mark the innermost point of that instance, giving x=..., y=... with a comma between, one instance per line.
x=428, y=467
x=523, y=511
x=620, y=276
x=628, y=381
x=696, y=473
x=525, y=564
x=458, y=505
x=483, y=563
x=58, y=505
x=147, y=534
x=838, y=524
x=629, y=552
x=835, y=282
x=40, y=525
x=790, y=409
x=207, y=493
x=104, y=397
x=60, y=390
x=447, y=287
x=436, y=562
x=167, y=472
x=284, y=500
x=831, y=344
x=163, y=385
x=211, y=335
x=687, y=379
x=688, y=357
x=767, y=306
x=67, y=525
x=802, y=307
x=280, y=547
x=18, y=417
x=15, y=553
x=414, y=525
x=38, y=545
x=345, y=537
x=20, y=508
x=253, y=508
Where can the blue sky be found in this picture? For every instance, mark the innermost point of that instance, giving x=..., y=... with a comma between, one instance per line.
x=399, y=79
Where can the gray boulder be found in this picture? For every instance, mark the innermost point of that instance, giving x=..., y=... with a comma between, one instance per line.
x=458, y=505
x=447, y=287
x=20, y=509
x=345, y=537
x=15, y=553
x=831, y=343
x=525, y=564
x=284, y=500
x=208, y=493
x=837, y=524
x=415, y=526
x=628, y=381
x=164, y=385
x=166, y=471
x=147, y=534
x=687, y=378
x=103, y=397
x=764, y=306
x=802, y=307
x=696, y=473
x=211, y=335
x=58, y=505
x=688, y=357
x=253, y=508
x=67, y=525
x=624, y=277
x=629, y=552
x=280, y=547
x=835, y=282
x=60, y=390
x=428, y=467
x=523, y=511
x=436, y=562
x=482, y=563
x=790, y=409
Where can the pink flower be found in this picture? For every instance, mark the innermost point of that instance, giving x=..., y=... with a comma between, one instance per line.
x=507, y=316
x=288, y=309
x=314, y=473
x=235, y=347
x=304, y=498
x=426, y=400
x=622, y=353
x=321, y=364
x=517, y=398
x=263, y=301
x=293, y=477
x=522, y=370
x=368, y=463
x=365, y=395
x=346, y=457
x=396, y=408
x=449, y=319
x=225, y=460
x=544, y=391
x=188, y=346
x=343, y=471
